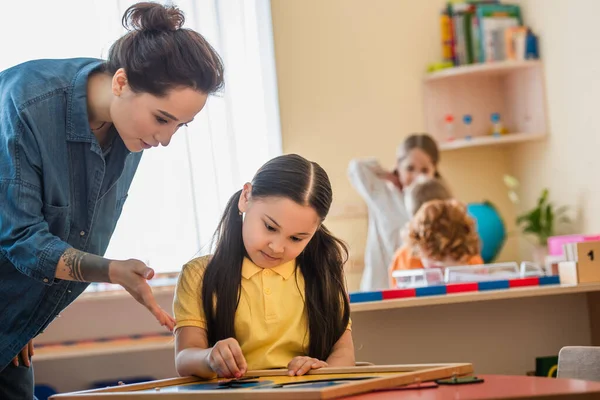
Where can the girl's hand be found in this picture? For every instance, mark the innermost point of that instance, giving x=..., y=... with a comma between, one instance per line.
x=26, y=354
x=227, y=360
x=133, y=275
x=301, y=365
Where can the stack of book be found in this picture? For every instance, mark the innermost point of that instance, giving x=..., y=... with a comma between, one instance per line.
x=485, y=31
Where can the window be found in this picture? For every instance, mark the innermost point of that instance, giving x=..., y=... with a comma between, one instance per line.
x=179, y=192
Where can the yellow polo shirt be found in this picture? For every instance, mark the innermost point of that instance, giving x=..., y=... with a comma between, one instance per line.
x=270, y=321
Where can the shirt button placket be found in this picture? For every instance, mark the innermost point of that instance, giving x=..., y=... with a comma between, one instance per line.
x=268, y=281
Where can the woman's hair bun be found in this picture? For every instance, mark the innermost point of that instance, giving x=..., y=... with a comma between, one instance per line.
x=153, y=17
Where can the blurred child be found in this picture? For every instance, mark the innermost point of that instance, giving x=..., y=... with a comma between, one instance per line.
x=273, y=293
x=440, y=235
x=382, y=191
x=422, y=190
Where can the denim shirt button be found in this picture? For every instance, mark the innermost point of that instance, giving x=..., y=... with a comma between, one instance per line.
x=82, y=233
x=45, y=280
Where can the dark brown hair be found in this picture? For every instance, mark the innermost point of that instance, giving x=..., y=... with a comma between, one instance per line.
x=423, y=142
x=158, y=54
x=321, y=263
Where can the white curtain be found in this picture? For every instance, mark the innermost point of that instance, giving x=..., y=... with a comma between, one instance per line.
x=179, y=192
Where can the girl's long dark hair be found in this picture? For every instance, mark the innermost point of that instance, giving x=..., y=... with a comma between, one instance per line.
x=321, y=263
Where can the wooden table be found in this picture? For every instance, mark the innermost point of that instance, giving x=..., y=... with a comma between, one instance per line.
x=497, y=387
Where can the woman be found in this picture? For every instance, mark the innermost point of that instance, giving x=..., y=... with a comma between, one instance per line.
x=71, y=136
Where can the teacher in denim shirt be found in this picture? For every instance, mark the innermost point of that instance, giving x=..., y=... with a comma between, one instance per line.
x=72, y=134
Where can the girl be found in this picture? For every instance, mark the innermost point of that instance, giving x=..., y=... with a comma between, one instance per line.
x=273, y=294
x=71, y=136
x=440, y=235
x=383, y=192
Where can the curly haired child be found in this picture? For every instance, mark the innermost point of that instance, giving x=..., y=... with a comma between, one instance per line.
x=440, y=235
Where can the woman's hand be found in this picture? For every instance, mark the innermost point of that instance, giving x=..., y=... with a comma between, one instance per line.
x=301, y=365
x=133, y=275
x=26, y=354
x=227, y=360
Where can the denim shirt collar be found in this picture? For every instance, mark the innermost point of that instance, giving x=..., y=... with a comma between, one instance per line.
x=78, y=126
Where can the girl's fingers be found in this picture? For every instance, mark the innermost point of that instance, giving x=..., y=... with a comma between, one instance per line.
x=224, y=365
x=305, y=367
x=238, y=356
x=294, y=365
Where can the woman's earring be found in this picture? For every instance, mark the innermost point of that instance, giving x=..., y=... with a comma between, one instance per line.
x=239, y=212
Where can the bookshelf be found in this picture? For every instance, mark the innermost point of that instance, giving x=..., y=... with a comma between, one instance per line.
x=514, y=89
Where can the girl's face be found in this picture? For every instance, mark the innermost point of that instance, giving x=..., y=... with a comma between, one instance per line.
x=416, y=163
x=144, y=121
x=275, y=229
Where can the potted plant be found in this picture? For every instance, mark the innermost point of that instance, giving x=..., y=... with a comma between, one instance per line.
x=540, y=222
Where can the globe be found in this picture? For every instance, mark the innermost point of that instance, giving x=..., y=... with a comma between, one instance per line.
x=490, y=228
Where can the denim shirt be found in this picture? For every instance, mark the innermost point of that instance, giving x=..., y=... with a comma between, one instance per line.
x=58, y=189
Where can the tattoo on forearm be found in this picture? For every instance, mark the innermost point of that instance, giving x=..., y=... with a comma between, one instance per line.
x=85, y=267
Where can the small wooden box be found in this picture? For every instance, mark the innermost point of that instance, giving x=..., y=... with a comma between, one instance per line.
x=582, y=265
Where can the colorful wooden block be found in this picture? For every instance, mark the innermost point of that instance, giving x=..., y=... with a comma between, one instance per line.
x=462, y=287
x=522, y=282
x=582, y=263
x=399, y=294
x=431, y=291
x=493, y=285
x=549, y=280
x=361, y=297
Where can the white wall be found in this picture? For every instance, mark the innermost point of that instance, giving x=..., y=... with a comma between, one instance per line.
x=567, y=163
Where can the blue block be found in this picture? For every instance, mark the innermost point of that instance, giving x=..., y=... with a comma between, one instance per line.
x=431, y=291
x=361, y=297
x=493, y=285
x=550, y=280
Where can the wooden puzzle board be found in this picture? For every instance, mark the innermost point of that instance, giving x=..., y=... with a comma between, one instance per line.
x=326, y=383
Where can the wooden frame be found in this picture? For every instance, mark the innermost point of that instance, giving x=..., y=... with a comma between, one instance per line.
x=366, y=379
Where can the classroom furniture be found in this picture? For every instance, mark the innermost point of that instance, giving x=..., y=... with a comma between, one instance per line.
x=498, y=387
x=498, y=331
x=515, y=90
x=579, y=362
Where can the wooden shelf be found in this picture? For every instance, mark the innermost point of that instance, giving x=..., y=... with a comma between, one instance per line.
x=514, y=89
x=469, y=297
x=88, y=349
x=491, y=69
x=478, y=141
x=94, y=296
x=166, y=342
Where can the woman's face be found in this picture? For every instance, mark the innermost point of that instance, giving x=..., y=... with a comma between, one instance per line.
x=144, y=120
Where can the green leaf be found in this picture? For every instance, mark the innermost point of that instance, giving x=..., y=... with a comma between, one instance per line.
x=511, y=181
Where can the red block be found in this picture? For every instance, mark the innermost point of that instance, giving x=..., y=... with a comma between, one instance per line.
x=534, y=281
x=461, y=287
x=398, y=293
